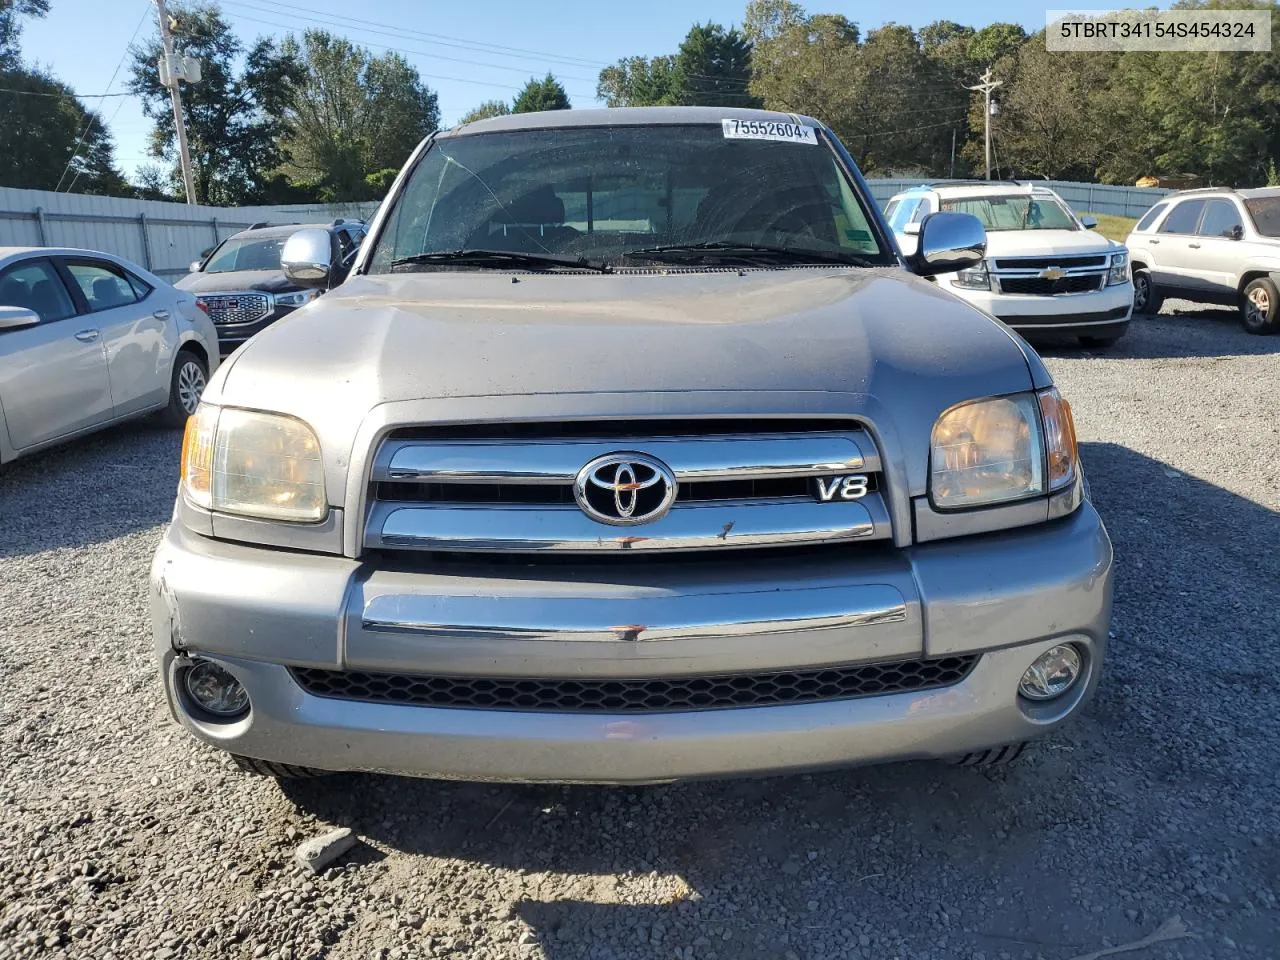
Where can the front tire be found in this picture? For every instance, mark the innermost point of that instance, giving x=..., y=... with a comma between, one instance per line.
x=1260, y=307
x=1100, y=343
x=190, y=377
x=995, y=757
x=1146, y=299
x=280, y=771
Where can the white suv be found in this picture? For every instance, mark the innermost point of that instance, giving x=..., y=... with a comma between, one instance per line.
x=1045, y=270
x=1215, y=246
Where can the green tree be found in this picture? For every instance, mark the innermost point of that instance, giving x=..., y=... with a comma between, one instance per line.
x=232, y=114
x=351, y=115
x=544, y=94
x=48, y=139
x=490, y=108
x=640, y=82
x=713, y=68
x=1057, y=114
x=766, y=19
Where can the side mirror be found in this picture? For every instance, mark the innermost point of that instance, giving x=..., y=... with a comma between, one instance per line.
x=912, y=228
x=1237, y=232
x=194, y=266
x=1089, y=223
x=307, y=258
x=948, y=242
x=15, y=318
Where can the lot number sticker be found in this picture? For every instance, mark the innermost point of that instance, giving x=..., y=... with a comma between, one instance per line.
x=782, y=130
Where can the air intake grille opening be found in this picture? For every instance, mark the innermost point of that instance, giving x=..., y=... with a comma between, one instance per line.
x=638, y=695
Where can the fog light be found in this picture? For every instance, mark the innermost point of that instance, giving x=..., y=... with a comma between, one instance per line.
x=1053, y=674
x=215, y=690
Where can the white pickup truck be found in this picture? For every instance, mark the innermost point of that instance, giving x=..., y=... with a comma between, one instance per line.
x=1045, y=271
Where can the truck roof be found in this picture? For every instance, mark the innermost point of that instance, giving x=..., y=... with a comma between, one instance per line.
x=623, y=116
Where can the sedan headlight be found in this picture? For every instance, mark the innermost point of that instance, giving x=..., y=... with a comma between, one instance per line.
x=263, y=465
x=1119, y=271
x=296, y=299
x=975, y=278
x=1003, y=449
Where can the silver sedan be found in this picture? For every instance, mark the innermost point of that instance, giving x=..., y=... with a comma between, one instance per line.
x=88, y=340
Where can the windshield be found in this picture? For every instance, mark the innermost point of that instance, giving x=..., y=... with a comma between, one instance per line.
x=604, y=193
x=246, y=255
x=1265, y=212
x=1018, y=212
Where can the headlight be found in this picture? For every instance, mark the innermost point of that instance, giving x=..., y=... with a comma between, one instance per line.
x=975, y=278
x=1003, y=449
x=296, y=299
x=262, y=465
x=1059, y=439
x=1119, y=271
x=987, y=451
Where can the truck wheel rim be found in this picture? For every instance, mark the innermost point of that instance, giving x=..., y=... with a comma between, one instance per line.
x=1259, y=306
x=1140, y=294
x=191, y=384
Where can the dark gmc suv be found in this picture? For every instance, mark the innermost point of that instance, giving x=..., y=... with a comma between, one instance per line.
x=241, y=286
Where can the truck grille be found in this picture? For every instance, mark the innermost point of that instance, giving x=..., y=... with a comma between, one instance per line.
x=232, y=308
x=513, y=488
x=1043, y=287
x=1040, y=263
x=638, y=695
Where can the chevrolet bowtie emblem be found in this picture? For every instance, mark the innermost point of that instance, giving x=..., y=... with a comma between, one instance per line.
x=1052, y=273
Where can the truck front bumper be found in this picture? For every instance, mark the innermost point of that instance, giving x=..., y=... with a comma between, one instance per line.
x=1105, y=312
x=1006, y=598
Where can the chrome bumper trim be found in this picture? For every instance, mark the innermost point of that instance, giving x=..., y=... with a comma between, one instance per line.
x=663, y=618
x=566, y=529
x=694, y=459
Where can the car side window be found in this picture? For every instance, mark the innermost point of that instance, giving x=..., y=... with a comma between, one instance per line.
x=1221, y=219
x=104, y=285
x=35, y=285
x=1151, y=216
x=923, y=209
x=141, y=288
x=1183, y=218
x=903, y=213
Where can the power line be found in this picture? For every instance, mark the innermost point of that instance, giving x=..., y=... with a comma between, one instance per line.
x=64, y=96
x=441, y=39
x=420, y=53
x=389, y=33
x=93, y=116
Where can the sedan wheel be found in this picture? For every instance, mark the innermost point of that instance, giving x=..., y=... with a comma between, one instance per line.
x=190, y=377
x=191, y=384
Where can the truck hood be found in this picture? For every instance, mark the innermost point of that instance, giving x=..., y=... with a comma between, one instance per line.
x=272, y=281
x=1038, y=243
x=874, y=343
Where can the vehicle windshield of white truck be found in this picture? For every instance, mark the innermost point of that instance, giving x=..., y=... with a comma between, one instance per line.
x=1014, y=212
x=639, y=196
x=246, y=254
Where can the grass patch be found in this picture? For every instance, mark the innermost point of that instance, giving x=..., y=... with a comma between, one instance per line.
x=1114, y=228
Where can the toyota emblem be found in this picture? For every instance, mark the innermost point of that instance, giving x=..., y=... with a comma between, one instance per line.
x=625, y=489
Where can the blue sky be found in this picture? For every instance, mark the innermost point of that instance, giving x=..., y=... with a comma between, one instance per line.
x=466, y=51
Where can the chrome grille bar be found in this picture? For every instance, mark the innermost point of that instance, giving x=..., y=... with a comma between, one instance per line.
x=560, y=529
x=690, y=459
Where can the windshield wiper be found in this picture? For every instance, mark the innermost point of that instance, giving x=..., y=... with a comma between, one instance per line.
x=501, y=259
x=750, y=252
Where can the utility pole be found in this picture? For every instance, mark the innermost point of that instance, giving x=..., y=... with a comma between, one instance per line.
x=986, y=86
x=170, y=79
x=952, y=174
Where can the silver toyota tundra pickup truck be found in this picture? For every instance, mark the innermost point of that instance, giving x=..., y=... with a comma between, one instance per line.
x=631, y=450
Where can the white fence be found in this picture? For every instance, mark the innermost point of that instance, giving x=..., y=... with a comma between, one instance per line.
x=166, y=237
x=1081, y=197
x=163, y=237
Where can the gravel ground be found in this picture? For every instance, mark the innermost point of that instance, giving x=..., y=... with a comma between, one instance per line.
x=121, y=837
